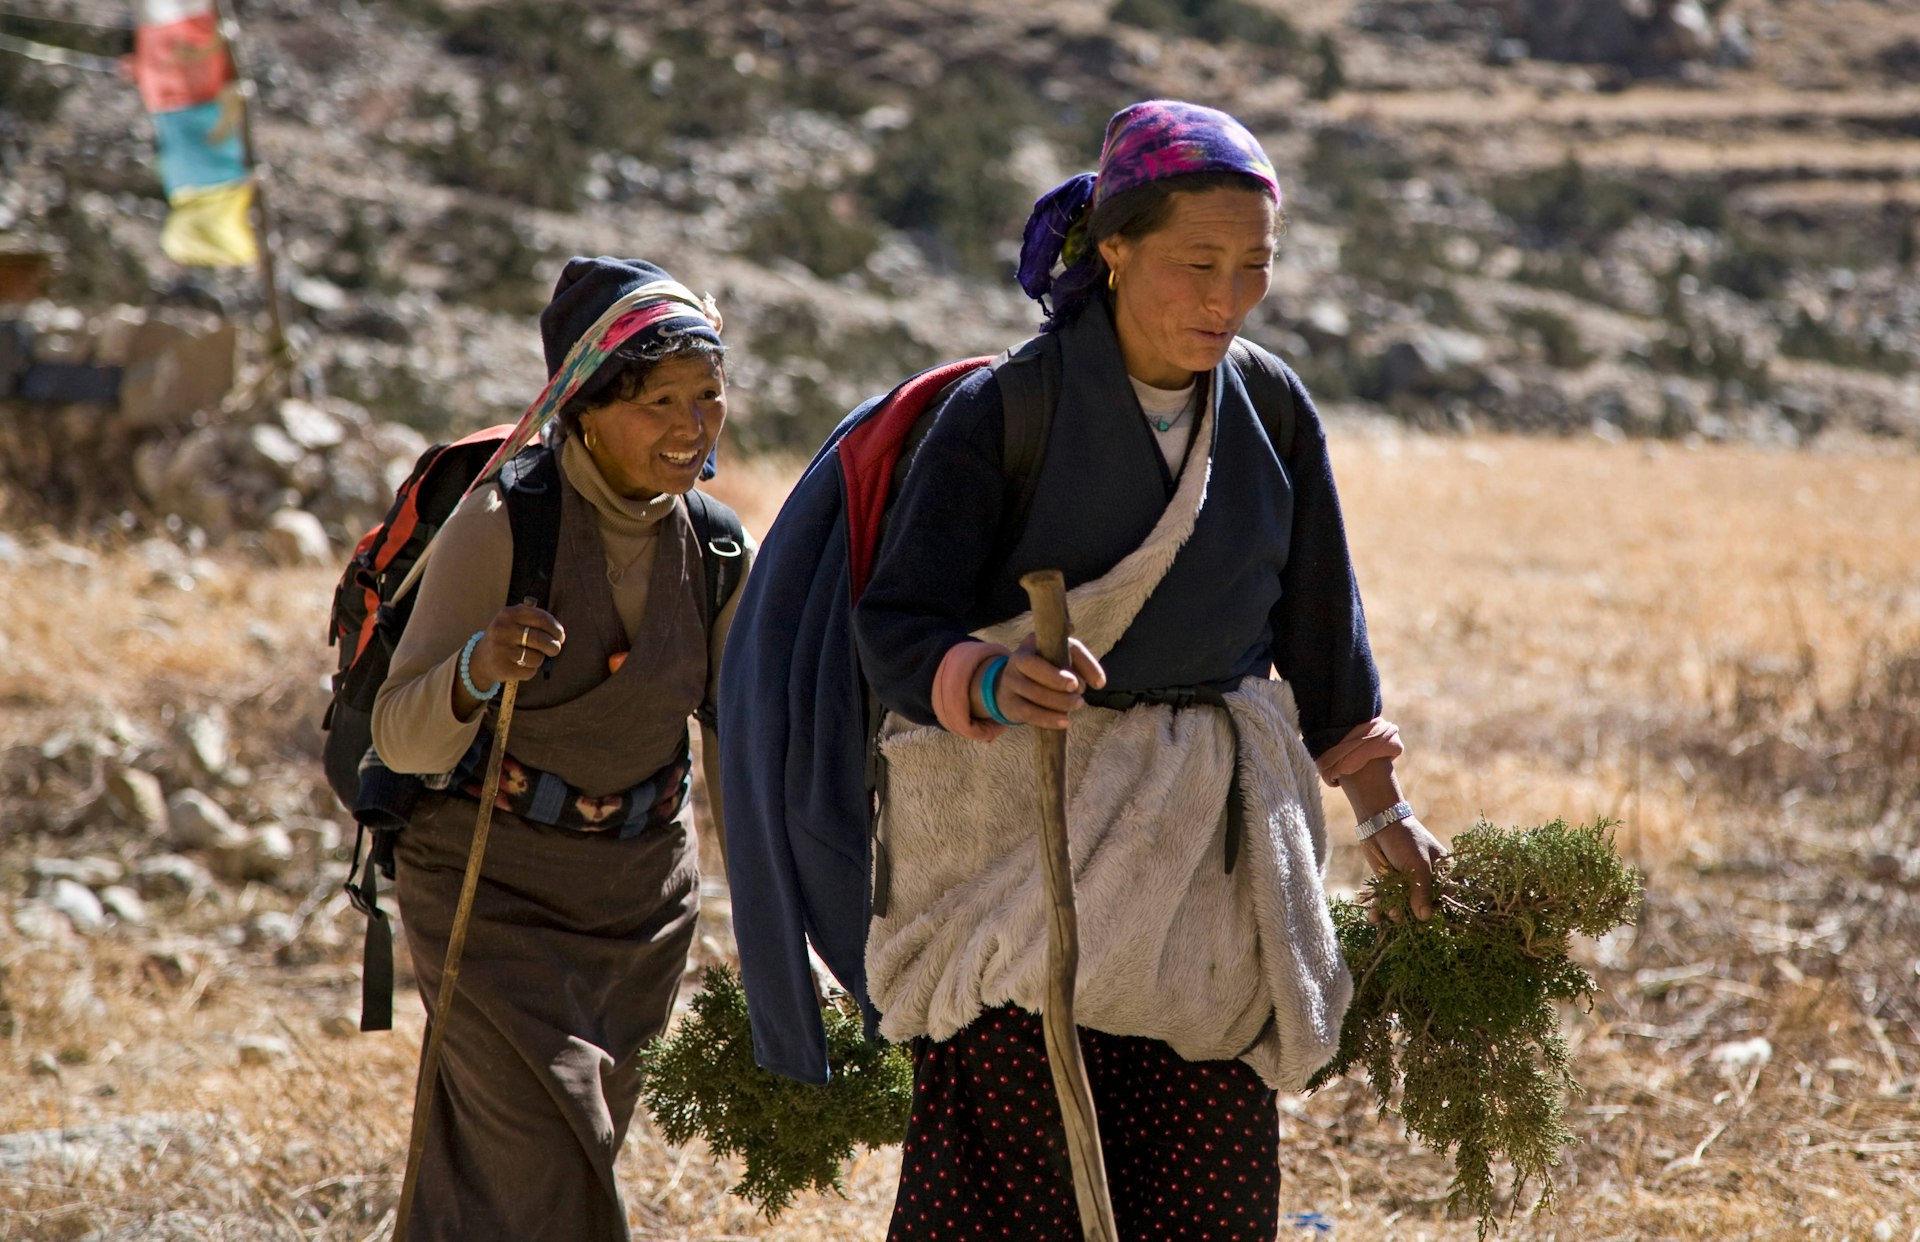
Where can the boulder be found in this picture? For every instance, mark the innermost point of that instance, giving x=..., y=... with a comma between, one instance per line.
x=200, y=823
x=38, y=920
x=269, y=853
x=294, y=537
x=188, y=478
x=138, y=799
x=263, y=1049
x=273, y=446
x=171, y=875
x=93, y=871
x=114, y=331
x=209, y=738
x=1585, y=31
x=317, y=836
x=1637, y=35
x=309, y=425
x=177, y=362
x=1327, y=326
x=77, y=902
x=124, y=904
x=272, y=928
x=1433, y=361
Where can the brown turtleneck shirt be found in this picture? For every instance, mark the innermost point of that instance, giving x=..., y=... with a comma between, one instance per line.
x=414, y=725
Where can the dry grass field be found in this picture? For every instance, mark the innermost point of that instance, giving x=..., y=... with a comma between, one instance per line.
x=1718, y=646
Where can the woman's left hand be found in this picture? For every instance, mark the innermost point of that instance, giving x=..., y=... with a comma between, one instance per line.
x=1408, y=846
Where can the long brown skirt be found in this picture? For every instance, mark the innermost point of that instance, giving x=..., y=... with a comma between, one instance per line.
x=574, y=951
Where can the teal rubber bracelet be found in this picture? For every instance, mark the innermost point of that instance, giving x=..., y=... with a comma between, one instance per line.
x=466, y=669
x=989, y=685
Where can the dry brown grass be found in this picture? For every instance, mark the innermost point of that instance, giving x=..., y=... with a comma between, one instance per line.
x=1565, y=628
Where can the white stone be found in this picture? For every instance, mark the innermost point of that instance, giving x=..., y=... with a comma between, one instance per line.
x=36, y=920
x=93, y=871
x=317, y=836
x=273, y=928
x=321, y=295
x=310, y=426
x=77, y=902
x=294, y=537
x=270, y=852
x=124, y=904
x=263, y=1049
x=200, y=823
x=276, y=446
x=1742, y=1054
x=171, y=875
x=138, y=798
x=210, y=738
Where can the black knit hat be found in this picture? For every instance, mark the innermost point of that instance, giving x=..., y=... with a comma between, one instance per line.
x=587, y=287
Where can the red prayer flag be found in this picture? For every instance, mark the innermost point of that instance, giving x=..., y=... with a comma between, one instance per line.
x=180, y=62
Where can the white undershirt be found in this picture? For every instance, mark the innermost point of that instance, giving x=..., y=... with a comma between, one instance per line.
x=1174, y=406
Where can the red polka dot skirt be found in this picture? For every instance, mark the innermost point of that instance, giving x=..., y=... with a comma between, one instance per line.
x=1192, y=1147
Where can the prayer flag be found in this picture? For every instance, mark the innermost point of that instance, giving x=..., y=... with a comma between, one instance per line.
x=186, y=79
x=179, y=58
x=208, y=227
x=200, y=146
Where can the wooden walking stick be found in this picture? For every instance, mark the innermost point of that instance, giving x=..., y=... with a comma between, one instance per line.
x=450, y=973
x=1047, y=593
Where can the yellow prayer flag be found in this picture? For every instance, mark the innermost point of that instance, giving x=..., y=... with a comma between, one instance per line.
x=209, y=226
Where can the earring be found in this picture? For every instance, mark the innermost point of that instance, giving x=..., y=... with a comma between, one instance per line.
x=1113, y=281
x=592, y=441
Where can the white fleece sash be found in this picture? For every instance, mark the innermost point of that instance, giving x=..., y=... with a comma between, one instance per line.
x=1171, y=947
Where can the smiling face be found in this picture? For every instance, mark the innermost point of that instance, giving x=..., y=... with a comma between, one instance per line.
x=1182, y=291
x=657, y=441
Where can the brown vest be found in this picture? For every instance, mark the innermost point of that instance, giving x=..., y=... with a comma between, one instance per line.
x=604, y=733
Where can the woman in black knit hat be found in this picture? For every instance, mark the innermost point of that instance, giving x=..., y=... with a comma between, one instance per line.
x=586, y=905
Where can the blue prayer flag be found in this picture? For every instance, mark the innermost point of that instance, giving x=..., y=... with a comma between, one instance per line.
x=200, y=146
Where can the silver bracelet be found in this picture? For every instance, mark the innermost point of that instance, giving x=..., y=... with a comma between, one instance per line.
x=1380, y=819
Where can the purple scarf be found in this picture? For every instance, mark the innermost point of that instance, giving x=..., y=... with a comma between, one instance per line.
x=1145, y=142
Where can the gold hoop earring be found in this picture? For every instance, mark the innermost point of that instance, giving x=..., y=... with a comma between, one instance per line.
x=592, y=443
x=1113, y=281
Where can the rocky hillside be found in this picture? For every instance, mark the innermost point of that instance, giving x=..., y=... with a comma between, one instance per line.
x=1643, y=217
x=1601, y=220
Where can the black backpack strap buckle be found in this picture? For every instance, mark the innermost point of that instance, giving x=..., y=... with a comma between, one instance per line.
x=376, y=959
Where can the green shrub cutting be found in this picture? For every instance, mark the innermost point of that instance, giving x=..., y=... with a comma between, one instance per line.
x=1455, y=1016
x=1458, y=1012
x=701, y=1080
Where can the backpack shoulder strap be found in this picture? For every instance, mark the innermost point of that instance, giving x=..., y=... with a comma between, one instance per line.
x=723, y=547
x=1029, y=377
x=1266, y=380
x=531, y=483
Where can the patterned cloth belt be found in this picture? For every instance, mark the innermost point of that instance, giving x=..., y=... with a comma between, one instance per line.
x=546, y=799
x=1180, y=698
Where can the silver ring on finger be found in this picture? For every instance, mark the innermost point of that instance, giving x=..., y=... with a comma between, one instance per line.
x=526, y=636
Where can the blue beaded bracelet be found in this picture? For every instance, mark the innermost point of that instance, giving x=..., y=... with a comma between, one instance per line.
x=466, y=669
x=989, y=684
